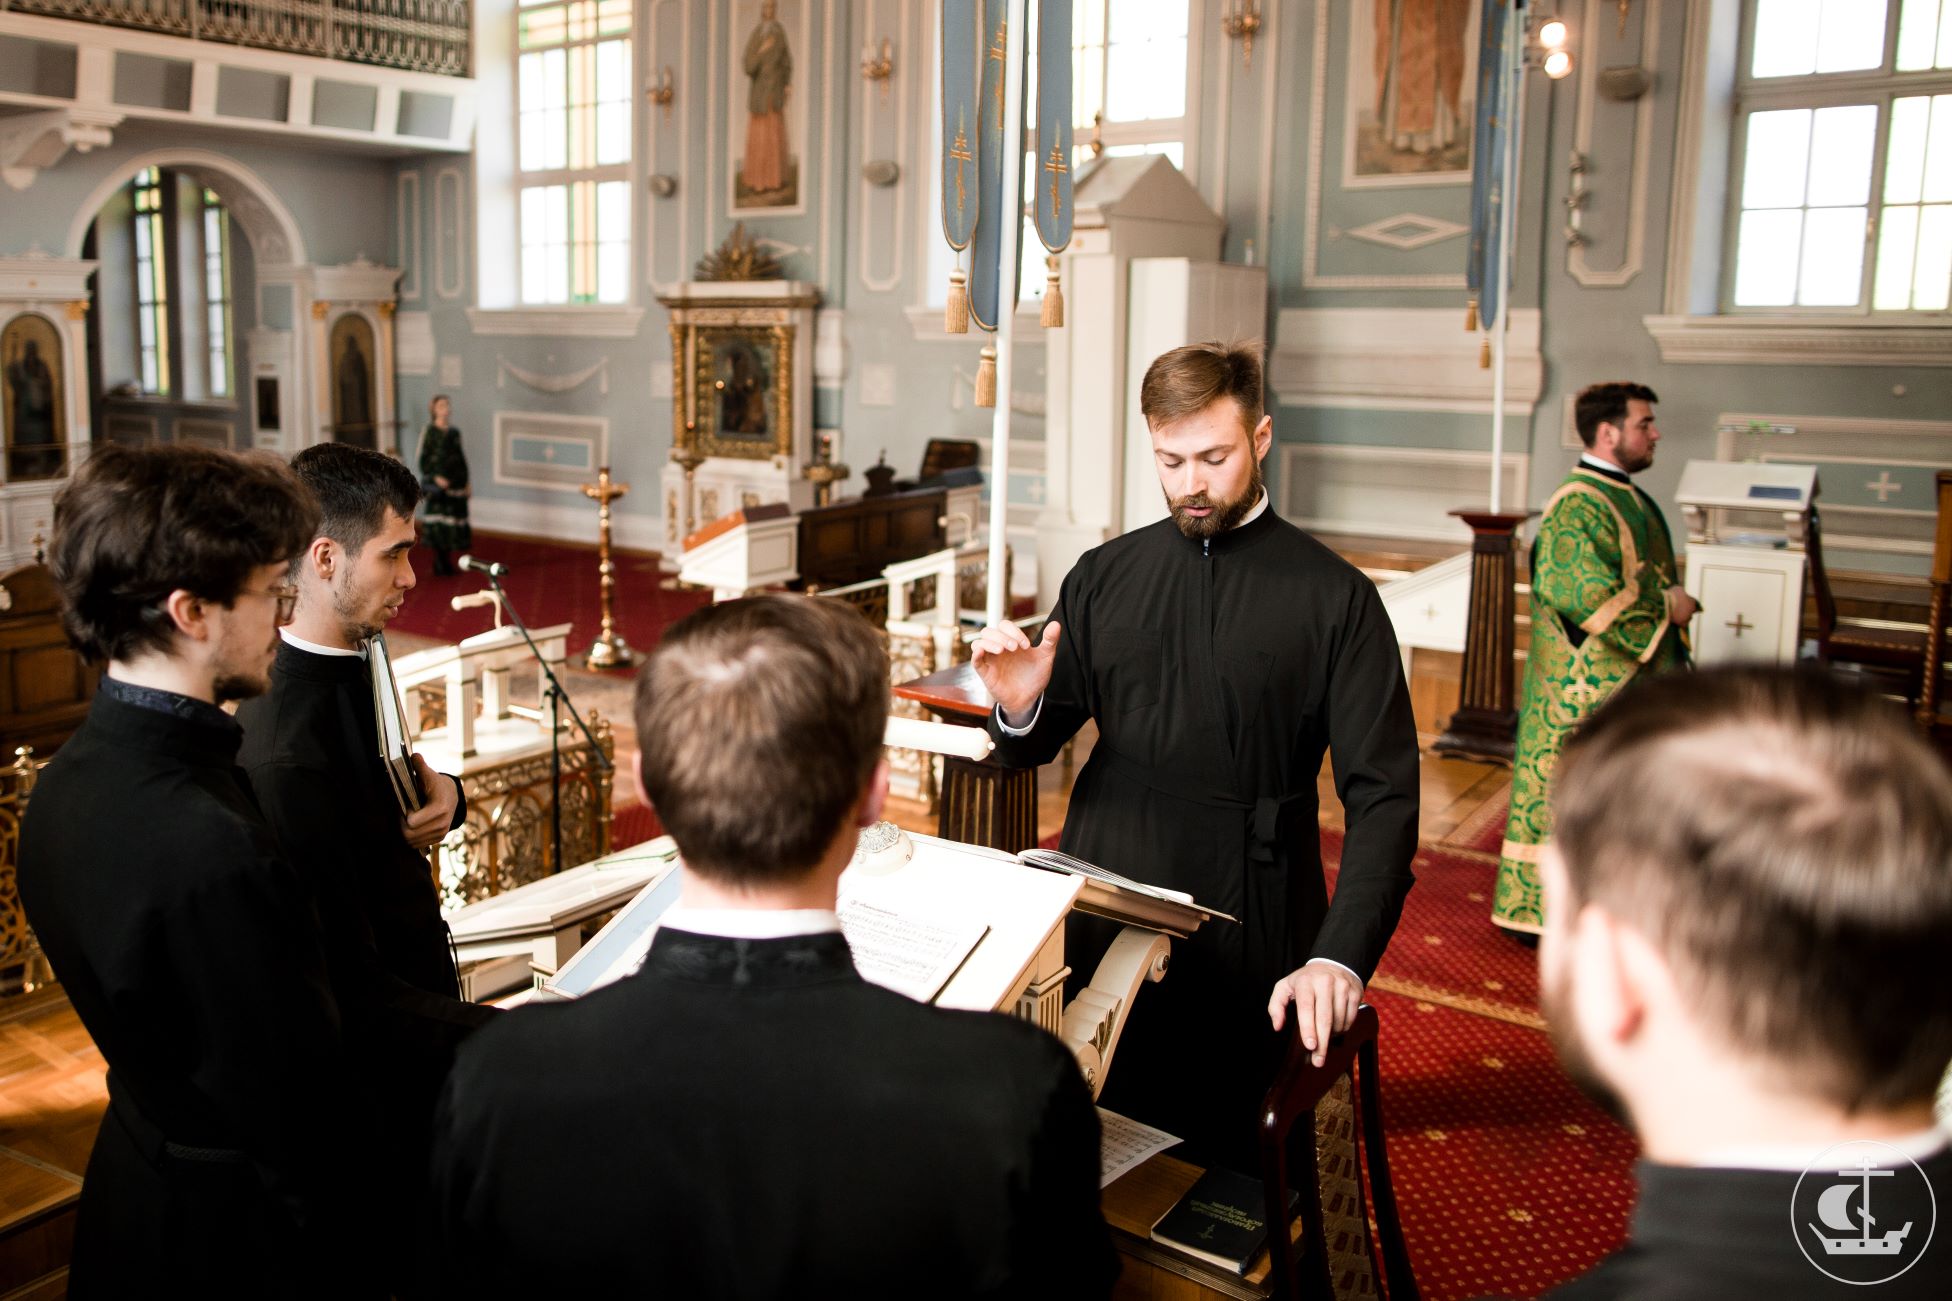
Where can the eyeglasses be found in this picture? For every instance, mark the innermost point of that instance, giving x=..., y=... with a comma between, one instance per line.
x=286, y=595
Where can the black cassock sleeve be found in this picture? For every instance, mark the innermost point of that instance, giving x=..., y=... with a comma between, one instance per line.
x=1372, y=740
x=1064, y=1242
x=1066, y=705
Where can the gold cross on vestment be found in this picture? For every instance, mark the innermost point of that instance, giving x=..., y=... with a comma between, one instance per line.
x=1055, y=165
x=960, y=152
x=998, y=49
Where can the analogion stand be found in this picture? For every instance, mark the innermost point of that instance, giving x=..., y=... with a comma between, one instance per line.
x=982, y=801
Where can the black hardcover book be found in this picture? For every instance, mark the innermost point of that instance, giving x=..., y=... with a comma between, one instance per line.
x=1222, y=1220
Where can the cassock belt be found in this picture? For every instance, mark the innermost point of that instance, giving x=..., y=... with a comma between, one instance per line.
x=154, y=1144
x=1267, y=817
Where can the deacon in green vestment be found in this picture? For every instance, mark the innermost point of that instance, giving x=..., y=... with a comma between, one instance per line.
x=1606, y=605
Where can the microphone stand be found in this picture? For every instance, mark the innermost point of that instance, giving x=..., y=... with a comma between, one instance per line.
x=557, y=697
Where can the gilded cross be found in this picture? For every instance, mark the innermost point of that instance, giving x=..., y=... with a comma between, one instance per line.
x=960, y=152
x=1883, y=486
x=997, y=52
x=605, y=489
x=1055, y=165
x=1740, y=625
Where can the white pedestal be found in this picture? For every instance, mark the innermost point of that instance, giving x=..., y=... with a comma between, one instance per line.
x=1751, y=602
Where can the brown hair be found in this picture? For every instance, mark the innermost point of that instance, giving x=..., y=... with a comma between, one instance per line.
x=760, y=723
x=1605, y=404
x=1188, y=380
x=137, y=523
x=1786, y=840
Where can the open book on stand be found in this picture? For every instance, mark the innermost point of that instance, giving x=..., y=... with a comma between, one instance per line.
x=396, y=750
x=1119, y=897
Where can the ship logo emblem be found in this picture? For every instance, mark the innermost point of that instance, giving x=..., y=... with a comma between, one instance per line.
x=1863, y=1212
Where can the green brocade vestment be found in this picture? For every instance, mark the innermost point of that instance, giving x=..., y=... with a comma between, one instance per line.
x=1601, y=568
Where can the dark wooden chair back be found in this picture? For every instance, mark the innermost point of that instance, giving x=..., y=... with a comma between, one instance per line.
x=1289, y=1160
x=1896, y=654
x=945, y=454
x=1932, y=690
x=45, y=686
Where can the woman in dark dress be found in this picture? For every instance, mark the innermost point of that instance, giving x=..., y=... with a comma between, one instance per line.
x=444, y=481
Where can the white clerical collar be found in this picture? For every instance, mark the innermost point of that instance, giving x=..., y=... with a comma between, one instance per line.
x=1600, y=463
x=1254, y=514
x=312, y=647
x=751, y=923
x=1768, y=1156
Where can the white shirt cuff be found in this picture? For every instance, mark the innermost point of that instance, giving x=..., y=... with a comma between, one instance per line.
x=1360, y=984
x=1036, y=711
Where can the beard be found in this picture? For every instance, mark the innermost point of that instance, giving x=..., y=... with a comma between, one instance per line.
x=358, y=622
x=1223, y=515
x=1555, y=1003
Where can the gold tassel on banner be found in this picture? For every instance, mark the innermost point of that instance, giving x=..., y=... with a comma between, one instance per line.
x=955, y=313
x=1052, y=317
x=1484, y=354
x=1471, y=317
x=986, y=377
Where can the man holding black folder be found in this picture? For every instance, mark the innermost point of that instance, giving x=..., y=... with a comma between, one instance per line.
x=311, y=746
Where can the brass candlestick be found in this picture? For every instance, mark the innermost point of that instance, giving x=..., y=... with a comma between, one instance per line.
x=609, y=650
x=822, y=475
x=689, y=461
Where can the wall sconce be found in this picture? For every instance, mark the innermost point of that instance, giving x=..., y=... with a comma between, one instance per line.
x=878, y=67
x=662, y=92
x=1241, y=19
x=1547, y=47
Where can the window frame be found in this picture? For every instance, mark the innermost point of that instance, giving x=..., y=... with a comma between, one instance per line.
x=153, y=305
x=1878, y=87
x=221, y=387
x=570, y=178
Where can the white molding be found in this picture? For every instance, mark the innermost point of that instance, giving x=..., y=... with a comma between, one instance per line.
x=925, y=324
x=1799, y=341
x=824, y=270
x=1433, y=230
x=1264, y=212
x=1311, y=220
x=260, y=211
x=681, y=201
x=1839, y=425
x=555, y=322
x=870, y=97
x=358, y=281
x=1643, y=148
x=1198, y=15
x=592, y=432
x=408, y=217
x=449, y=178
x=1398, y=359
x=562, y=522
x=1411, y=488
x=41, y=279
x=95, y=97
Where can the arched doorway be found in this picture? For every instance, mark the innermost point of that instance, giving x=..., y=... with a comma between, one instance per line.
x=200, y=302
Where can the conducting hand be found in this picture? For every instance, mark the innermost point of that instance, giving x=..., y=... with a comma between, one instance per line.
x=1325, y=997
x=1015, y=672
x=428, y=826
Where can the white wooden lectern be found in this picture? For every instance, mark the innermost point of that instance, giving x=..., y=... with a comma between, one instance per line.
x=1747, y=522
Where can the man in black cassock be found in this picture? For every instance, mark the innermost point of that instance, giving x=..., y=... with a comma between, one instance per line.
x=311, y=748
x=182, y=936
x=1748, y=908
x=1220, y=652
x=745, y=1116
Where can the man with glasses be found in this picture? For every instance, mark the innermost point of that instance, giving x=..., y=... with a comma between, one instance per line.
x=183, y=938
x=311, y=746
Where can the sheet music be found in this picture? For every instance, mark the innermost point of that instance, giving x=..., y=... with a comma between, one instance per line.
x=907, y=954
x=1124, y=1143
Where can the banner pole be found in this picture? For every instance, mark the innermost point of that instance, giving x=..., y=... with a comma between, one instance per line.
x=1009, y=254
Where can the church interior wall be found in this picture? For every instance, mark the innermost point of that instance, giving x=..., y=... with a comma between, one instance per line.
x=1280, y=145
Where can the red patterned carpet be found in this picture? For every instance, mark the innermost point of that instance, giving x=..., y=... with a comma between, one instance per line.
x=548, y=583
x=1509, y=1180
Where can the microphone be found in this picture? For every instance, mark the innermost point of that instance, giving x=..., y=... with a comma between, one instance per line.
x=488, y=567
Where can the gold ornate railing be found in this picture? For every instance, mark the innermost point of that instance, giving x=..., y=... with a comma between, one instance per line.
x=22, y=966
x=417, y=35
